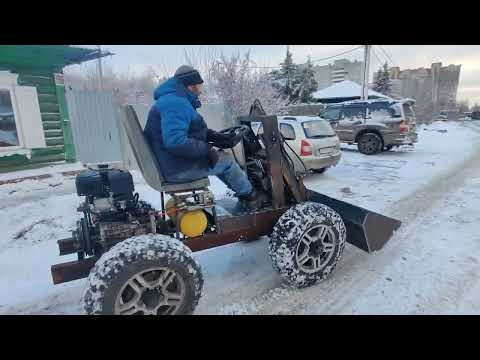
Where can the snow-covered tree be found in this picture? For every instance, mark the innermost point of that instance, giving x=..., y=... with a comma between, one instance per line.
x=382, y=83
x=285, y=79
x=237, y=85
x=305, y=84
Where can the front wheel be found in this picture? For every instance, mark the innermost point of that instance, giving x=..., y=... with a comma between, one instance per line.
x=306, y=243
x=370, y=144
x=144, y=275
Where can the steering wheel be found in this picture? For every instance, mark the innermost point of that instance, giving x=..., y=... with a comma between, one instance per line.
x=235, y=131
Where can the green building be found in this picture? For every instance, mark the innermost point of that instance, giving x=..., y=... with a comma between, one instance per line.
x=34, y=122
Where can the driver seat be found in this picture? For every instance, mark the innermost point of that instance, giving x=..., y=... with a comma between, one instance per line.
x=146, y=160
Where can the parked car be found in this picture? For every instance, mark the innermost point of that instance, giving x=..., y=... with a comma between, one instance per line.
x=311, y=138
x=374, y=125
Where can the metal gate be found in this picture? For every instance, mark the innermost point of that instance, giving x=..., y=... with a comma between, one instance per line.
x=95, y=126
x=98, y=133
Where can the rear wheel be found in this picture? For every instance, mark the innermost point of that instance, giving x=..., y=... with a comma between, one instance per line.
x=370, y=144
x=307, y=243
x=144, y=275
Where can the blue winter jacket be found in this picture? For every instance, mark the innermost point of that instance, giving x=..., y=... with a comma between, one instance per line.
x=177, y=134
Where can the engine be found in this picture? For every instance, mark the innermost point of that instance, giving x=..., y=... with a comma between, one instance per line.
x=107, y=191
x=112, y=212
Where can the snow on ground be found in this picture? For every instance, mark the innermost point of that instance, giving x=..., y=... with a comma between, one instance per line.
x=375, y=182
x=33, y=190
x=431, y=265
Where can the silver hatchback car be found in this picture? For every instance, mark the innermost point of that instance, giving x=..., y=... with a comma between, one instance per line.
x=311, y=138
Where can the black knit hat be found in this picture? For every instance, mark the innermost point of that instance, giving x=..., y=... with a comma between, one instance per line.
x=188, y=75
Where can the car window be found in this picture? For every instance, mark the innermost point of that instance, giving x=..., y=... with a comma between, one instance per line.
x=381, y=109
x=408, y=110
x=354, y=112
x=380, y=105
x=287, y=131
x=331, y=114
x=317, y=128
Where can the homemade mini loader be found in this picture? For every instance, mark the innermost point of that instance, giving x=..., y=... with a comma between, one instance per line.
x=139, y=260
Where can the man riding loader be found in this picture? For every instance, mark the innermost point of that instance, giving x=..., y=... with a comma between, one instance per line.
x=139, y=260
x=184, y=146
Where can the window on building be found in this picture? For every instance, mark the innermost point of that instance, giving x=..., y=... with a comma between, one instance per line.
x=8, y=127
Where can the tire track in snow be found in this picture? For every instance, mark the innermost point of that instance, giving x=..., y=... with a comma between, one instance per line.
x=412, y=210
x=353, y=275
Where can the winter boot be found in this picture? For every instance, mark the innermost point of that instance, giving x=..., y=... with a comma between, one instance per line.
x=254, y=201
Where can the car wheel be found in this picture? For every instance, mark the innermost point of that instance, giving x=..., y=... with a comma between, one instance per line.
x=370, y=144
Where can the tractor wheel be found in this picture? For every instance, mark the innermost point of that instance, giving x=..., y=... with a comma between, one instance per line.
x=370, y=144
x=307, y=243
x=144, y=275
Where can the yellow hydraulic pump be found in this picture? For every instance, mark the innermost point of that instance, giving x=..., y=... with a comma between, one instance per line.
x=191, y=222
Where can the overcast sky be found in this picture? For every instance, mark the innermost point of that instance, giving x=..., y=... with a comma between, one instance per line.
x=165, y=58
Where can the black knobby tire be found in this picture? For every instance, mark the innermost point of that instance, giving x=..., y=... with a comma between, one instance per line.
x=287, y=238
x=137, y=255
x=370, y=144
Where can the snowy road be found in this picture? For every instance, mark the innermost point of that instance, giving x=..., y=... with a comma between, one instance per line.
x=430, y=266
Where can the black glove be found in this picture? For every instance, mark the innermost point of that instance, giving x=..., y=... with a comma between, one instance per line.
x=223, y=141
x=212, y=158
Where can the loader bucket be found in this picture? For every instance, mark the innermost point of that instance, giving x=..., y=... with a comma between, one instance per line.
x=366, y=229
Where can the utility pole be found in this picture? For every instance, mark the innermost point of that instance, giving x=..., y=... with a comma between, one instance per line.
x=100, y=73
x=366, y=71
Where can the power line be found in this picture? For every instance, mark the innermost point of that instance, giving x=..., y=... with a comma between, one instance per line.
x=388, y=56
x=316, y=60
x=345, y=52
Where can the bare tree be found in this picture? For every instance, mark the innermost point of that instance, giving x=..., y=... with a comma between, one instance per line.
x=126, y=86
x=204, y=59
x=164, y=69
